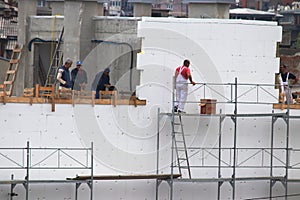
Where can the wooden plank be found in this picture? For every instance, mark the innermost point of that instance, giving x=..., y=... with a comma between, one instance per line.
x=28, y=92
x=3, y=93
x=11, y=72
x=285, y=106
x=8, y=82
x=14, y=61
x=17, y=50
x=114, y=95
x=77, y=101
x=127, y=177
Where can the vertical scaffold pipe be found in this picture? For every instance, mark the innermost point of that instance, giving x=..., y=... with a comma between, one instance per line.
x=27, y=170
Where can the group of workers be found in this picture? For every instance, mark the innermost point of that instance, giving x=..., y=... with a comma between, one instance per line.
x=287, y=81
x=77, y=79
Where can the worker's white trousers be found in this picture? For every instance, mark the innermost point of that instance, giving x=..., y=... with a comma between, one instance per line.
x=288, y=94
x=181, y=95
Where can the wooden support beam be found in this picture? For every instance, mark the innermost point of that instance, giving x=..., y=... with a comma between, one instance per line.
x=127, y=177
x=93, y=98
x=46, y=92
x=282, y=106
x=113, y=94
x=3, y=92
x=90, y=101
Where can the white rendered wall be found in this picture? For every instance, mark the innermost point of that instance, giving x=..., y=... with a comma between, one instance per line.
x=219, y=51
x=124, y=137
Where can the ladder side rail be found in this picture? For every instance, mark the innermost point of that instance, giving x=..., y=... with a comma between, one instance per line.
x=177, y=152
x=185, y=149
x=54, y=57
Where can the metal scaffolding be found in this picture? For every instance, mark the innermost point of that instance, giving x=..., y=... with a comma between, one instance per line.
x=234, y=163
x=25, y=162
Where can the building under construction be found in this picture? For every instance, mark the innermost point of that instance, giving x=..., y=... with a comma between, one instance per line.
x=235, y=141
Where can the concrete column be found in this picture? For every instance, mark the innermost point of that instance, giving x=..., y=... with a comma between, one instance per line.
x=101, y=7
x=25, y=72
x=208, y=10
x=142, y=9
x=57, y=7
x=79, y=29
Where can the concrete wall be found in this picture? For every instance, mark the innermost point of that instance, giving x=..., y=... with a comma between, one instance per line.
x=57, y=7
x=125, y=136
x=142, y=9
x=219, y=50
x=25, y=74
x=45, y=27
x=4, y=64
x=78, y=28
x=117, y=52
x=121, y=39
x=42, y=30
x=208, y=10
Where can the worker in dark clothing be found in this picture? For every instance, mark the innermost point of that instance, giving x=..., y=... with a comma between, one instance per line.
x=63, y=75
x=79, y=77
x=101, y=82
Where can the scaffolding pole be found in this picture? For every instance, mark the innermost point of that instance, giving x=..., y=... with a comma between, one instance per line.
x=234, y=149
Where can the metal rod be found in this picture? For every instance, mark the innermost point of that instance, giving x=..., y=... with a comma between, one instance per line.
x=58, y=158
x=287, y=152
x=27, y=172
x=220, y=155
x=234, y=141
x=271, y=155
x=257, y=94
x=12, y=194
x=204, y=91
x=157, y=152
x=172, y=138
x=92, y=169
x=76, y=190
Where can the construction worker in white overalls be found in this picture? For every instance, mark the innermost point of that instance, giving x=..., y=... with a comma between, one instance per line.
x=182, y=75
x=285, y=78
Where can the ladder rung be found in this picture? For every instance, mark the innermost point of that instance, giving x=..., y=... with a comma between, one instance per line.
x=13, y=61
x=11, y=72
x=182, y=159
x=8, y=82
x=179, y=141
x=17, y=50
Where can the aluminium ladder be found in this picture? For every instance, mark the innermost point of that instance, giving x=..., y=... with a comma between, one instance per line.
x=180, y=145
x=56, y=62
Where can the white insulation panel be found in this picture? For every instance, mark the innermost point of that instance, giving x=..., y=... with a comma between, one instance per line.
x=125, y=137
